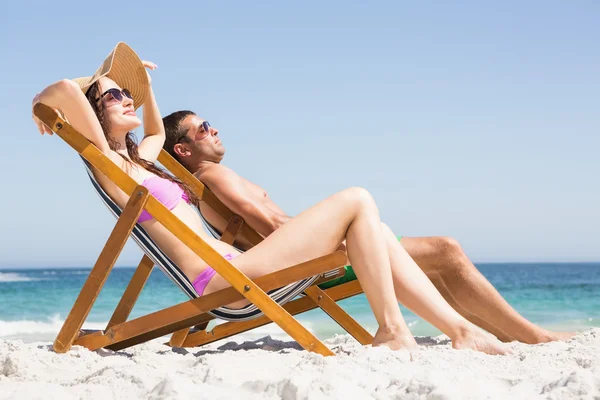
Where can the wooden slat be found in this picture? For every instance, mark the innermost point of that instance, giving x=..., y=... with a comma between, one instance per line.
x=179, y=337
x=89, y=332
x=345, y=290
x=340, y=316
x=294, y=307
x=233, y=228
x=89, y=340
x=132, y=292
x=106, y=260
x=206, y=195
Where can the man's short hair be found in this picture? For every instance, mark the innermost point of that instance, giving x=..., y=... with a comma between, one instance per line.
x=174, y=131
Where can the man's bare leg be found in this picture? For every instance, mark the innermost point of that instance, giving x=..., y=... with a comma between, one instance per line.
x=439, y=284
x=478, y=299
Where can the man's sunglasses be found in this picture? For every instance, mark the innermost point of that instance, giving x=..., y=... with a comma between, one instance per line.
x=203, y=130
x=117, y=94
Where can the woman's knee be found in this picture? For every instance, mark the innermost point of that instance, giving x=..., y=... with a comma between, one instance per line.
x=386, y=228
x=359, y=197
x=388, y=233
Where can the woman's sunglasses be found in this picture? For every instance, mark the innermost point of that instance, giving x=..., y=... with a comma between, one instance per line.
x=117, y=94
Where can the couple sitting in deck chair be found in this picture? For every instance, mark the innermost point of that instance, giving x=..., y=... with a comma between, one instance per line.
x=99, y=115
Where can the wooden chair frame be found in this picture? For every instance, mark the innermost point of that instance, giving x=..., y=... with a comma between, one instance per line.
x=179, y=319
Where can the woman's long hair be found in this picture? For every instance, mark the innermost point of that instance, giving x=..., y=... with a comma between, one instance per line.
x=93, y=95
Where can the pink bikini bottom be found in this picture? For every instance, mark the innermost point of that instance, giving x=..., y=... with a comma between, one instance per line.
x=202, y=280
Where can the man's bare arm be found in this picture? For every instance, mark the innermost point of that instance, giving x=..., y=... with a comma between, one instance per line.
x=233, y=191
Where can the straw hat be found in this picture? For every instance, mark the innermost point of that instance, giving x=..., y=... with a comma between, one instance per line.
x=124, y=67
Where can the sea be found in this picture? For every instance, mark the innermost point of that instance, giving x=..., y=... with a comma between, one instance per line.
x=34, y=302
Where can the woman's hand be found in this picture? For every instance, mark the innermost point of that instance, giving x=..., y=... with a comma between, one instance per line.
x=151, y=66
x=42, y=127
x=66, y=98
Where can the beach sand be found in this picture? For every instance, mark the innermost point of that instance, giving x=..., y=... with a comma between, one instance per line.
x=269, y=368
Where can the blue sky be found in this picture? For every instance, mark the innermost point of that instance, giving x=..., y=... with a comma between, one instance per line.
x=477, y=121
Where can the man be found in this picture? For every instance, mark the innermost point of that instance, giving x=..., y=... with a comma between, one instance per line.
x=196, y=145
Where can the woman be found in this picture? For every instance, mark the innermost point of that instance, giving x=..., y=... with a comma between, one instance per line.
x=102, y=108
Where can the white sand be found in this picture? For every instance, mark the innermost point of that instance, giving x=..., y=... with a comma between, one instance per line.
x=273, y=369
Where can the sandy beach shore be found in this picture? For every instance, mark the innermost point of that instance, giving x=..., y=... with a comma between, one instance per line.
x=269, y=368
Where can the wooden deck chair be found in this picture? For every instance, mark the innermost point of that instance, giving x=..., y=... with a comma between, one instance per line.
x=235, y=226
x=121, y=333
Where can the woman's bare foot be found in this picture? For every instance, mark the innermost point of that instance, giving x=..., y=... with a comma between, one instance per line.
x=394, y=340
x=478, y=341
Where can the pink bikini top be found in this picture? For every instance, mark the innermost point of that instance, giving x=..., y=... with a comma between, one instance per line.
x=165, y=191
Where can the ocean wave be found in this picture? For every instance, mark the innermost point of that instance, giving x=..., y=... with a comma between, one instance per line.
x=14, y=277
x=46, y=330
x=66, y=272
x=43, y=276
x=31, y=331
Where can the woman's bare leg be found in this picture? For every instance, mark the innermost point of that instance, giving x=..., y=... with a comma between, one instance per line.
x=415, y=291
x=350, y=214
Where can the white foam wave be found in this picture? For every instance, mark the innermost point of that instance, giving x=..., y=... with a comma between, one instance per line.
x=34, y=331
x=30, y=331
x=13, y=277
x=66, y=272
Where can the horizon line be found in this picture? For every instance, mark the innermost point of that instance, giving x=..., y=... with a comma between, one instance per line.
x=135, y=266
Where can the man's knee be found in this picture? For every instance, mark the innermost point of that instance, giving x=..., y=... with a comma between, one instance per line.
x=449, y=251
x=448, y=245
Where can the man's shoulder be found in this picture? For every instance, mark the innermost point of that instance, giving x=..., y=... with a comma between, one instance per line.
x=216, y=172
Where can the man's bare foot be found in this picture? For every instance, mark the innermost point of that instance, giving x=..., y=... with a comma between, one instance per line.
x=555, y=336
x=478, y=341
x=394, y=340
x=543, y=337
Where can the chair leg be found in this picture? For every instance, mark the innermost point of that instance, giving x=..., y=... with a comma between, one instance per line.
x=340, y=316
x=106, y=260
x=131, y=294
x=179, y=337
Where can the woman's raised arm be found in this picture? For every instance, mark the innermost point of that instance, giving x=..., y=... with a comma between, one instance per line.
x=154, y=130
x=66, y=97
